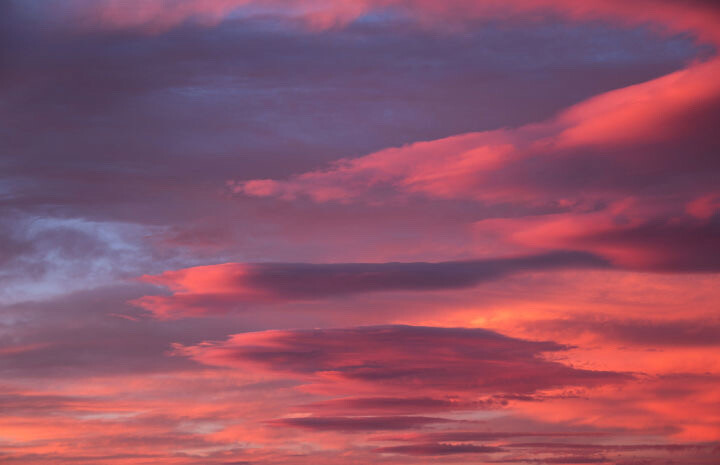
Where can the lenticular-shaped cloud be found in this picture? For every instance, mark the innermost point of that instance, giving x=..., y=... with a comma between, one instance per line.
x=391, y=359
x=658, y=133
x=216, y=289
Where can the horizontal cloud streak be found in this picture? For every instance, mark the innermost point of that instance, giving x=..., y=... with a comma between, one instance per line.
x=358, y=423
x=161, y=15
x=218, y=288
x=391, y=358
x=647, y=129
x=648, y=333
x=630, y=234
x=432, y=449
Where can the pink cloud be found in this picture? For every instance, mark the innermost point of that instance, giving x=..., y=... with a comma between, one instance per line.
x=161, y=15
x=649, y=132
x=388, y=359
x=438, y=449
x=353, y=424
x=631, y=234
x=218, y=289
x=627, y=179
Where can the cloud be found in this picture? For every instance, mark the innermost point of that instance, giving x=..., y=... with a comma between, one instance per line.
x=631, y=234
x=609, y=447
x=662, y=245
x=126, y=118
x=396, y=405
x=562, y=452
x=83, y=334
x=640, y=142
x=388, y=359
x=147, y=131
x=575, y=459
x=358, y=423
x=486, y=436
x=156, y=16
x=438, y=449
x=649, y=333
x=650, y=133
x=218, y=288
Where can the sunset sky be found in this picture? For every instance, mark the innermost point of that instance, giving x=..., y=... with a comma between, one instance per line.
x=359, y=232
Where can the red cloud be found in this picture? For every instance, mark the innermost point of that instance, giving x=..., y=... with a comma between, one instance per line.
x=645, y=333
x=656, y=133
x=219, y=288
x=631, y=235
x=648, y=141
x=436, y=449
x=392, y=359
x=350, y=424
x=161, y=15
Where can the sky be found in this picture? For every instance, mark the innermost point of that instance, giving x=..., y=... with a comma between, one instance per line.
x=352, y=232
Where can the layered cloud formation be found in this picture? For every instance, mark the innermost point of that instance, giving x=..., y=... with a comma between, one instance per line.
x=464, y=361
x=359, y=232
